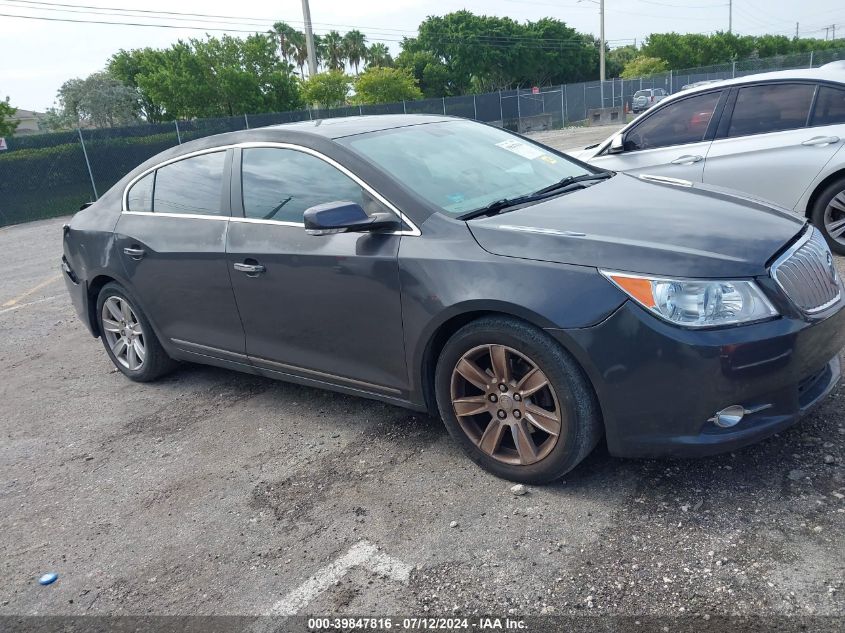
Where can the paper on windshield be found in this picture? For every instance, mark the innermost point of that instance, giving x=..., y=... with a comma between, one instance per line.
x=523, y=149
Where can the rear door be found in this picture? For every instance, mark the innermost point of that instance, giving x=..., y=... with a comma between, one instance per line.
x=325, y=307
x=171, y=238
x=671, y=141
x=769, y=145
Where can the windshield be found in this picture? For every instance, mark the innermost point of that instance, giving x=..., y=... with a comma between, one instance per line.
x=642, y=93
x=460, y=166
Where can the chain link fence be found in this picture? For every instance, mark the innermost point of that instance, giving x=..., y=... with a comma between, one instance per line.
x=48, y=175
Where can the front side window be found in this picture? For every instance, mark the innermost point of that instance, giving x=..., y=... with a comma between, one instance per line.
x=771, y=108
x=193, y=185
x=681, y=122
x=280, y=184
x=830, y=106
x=461, y=166
x=140, y=197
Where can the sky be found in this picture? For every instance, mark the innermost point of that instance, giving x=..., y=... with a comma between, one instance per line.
x=37, y=56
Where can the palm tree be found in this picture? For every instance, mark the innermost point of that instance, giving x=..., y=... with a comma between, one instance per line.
x=284, y=34
x=355, y=47
x=300, y=53
x=333, y=50
x=379, y=55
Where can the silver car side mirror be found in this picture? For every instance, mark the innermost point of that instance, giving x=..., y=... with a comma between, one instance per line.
x=617, y=145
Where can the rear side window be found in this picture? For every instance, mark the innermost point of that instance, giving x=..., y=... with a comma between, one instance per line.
x=684, y=121
x=280, y=184
x=771, y=108
x=140, y=197
x=830, y=106
x=193, y=185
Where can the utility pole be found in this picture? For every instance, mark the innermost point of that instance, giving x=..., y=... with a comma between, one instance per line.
x=796, y=30
x=730, y=16
x=833, y=26
x=601, y=43
x=309, y=39
x=826, y=32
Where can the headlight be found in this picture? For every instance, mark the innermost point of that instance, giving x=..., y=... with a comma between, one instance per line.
x=696, y=302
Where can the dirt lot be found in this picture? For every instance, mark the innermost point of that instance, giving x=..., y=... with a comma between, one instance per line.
x=217, y=493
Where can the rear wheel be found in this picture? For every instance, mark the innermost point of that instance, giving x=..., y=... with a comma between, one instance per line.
x=828, y=214
x=516, y=402
x=128, y=337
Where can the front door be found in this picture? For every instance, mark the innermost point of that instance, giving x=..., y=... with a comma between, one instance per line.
x=672, y=141
x=172, y=241
x=324, y=307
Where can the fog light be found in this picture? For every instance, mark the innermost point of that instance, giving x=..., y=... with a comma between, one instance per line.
x=729, y=416
x=732, y=415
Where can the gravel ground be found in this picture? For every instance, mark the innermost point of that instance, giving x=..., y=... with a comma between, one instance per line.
x=217, y=493
x=574, y=138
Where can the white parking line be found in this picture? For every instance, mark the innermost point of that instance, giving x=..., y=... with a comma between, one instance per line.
x=30, y=303
x=362, y=554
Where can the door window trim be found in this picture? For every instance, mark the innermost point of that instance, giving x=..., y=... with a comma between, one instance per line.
x=729, y=112
x=411, y=231
x=709, y=134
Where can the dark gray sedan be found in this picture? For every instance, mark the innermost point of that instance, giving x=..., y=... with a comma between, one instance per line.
x=532, y=301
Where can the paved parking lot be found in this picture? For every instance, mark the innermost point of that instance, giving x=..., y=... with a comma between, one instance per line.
x=217, y=493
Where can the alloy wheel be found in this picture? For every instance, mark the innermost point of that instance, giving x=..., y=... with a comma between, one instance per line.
x=506, y=405
x=123, y=332
x=834, y=218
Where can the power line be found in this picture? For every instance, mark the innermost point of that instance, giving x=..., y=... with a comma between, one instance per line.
x=490, y=40
x=244, y=19
x=172, y=15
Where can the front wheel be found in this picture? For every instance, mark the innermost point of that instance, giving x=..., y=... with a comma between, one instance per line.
x=516, y=401
x=828, y=214
x=128, y=336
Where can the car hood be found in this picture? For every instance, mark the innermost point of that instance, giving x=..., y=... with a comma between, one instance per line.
x=645, y=224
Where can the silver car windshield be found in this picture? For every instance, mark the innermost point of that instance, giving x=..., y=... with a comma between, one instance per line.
x=460, y=166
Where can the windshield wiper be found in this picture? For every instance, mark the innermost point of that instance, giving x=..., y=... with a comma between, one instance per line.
x=505, y=203
x=560, y=184
x=500, y=205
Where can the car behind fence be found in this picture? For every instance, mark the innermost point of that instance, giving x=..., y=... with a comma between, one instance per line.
x=47, y=175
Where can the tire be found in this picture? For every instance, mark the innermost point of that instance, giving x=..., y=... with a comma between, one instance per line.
x=567, y=394
x=133, y=323
x=830, y=206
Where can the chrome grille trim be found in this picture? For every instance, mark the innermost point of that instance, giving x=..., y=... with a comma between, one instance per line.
x=807, y=275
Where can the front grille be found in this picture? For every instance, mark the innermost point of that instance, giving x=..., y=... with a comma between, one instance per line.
x=807, y=274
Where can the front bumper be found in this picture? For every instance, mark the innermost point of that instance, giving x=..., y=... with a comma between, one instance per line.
x=658, y=384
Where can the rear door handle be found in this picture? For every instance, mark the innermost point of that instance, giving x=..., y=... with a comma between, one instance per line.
x=249, y=269
x=821, y=140
x=134, y=253
x=687, y=159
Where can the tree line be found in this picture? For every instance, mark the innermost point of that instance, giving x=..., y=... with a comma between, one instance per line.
x=455, y=54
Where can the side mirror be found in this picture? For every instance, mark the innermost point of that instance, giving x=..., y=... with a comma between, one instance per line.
x=617, y=145
x=345, y=217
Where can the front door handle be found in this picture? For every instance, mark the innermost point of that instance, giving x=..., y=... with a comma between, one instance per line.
x=249, y=269
x=687, y=159
x=821, y=140
x=134, y=253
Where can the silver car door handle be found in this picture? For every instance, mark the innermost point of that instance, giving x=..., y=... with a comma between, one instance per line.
x=687, y=159
x=821, y=140
x=250, y=269
x=134, y=253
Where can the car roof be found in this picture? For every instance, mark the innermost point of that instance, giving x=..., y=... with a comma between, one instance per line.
x=831, y=72
x=351, y=125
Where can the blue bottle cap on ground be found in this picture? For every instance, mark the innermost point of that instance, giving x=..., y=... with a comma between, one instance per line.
x=48, y=579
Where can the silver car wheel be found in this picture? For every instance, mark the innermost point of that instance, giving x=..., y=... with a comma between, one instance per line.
x=834, y=218
x=123, y=332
